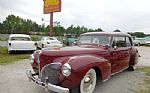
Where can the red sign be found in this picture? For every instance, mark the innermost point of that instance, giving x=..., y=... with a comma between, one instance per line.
x=52, y=6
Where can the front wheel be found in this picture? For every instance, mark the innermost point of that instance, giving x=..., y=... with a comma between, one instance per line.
x=43, y=46
x=138, y=44
x=9, y=52
x=87, y=84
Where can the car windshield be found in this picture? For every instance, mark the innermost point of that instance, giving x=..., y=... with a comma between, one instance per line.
x=147, y=38
x=20, y=39
x=93, y=39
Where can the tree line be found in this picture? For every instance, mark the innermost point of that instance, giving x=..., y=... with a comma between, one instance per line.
x=15, y=24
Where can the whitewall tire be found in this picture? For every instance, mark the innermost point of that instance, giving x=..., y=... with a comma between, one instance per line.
x=88, y=83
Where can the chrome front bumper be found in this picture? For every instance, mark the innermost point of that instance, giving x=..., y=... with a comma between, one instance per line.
x=46, y=85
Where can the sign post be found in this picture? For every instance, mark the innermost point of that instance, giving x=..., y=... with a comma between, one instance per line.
x=51, y=24
x=51, y=6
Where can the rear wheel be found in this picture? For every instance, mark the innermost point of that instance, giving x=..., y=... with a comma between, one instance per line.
x=133, y=67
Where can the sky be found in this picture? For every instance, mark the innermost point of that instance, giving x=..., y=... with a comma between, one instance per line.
x=109, y=15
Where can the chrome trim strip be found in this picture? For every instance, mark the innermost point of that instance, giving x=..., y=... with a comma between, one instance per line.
x=106, y=79
x=114, y=74
x=46, y=85
x=119, y=71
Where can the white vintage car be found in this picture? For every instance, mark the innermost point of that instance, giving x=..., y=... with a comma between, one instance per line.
x=20, y=42
x=139, y=41
x=50, y=42
x=147, y=38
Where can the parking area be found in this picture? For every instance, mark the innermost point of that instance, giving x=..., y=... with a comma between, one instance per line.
x=13, y=78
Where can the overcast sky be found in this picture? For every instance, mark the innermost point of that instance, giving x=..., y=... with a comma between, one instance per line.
x=125, y=15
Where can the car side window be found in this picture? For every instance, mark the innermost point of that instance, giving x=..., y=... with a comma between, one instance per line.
x=119, y=41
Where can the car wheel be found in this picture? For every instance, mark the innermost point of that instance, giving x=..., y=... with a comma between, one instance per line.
x=67, y=43
x=42, y=45
x=133, y=67
x=32, y=51
x=9, y=52
x=88, y=83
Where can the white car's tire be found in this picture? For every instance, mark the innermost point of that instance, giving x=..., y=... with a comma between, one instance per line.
x=9, y=52
x=88, y=83
x=43, y=46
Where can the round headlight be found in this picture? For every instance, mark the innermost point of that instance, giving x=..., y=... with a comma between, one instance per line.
x=66, y=69
x=31, y=59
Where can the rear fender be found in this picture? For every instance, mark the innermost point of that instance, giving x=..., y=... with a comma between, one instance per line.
x=132, y=56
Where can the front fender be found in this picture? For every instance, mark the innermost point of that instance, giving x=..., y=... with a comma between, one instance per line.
x=79, y=67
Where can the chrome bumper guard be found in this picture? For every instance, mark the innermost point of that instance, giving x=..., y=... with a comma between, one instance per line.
x=46, y=85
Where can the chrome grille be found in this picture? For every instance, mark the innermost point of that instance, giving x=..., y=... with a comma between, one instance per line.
x=51, y=71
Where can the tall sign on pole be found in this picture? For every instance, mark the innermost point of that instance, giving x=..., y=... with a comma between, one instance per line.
x=51, y=6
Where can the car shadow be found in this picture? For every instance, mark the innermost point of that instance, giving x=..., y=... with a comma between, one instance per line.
x=20, y=52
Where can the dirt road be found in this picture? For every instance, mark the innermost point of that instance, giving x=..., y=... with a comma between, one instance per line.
x=14, y=80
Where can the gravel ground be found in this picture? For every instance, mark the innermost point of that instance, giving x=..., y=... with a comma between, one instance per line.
x=14, y=80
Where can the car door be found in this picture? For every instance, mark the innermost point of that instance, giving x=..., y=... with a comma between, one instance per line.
x=121, y=48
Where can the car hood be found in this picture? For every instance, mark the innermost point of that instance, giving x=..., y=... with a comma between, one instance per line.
x=48, y=55
x=74, y=50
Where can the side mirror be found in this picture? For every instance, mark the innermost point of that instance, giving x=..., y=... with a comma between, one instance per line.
x=115, y=47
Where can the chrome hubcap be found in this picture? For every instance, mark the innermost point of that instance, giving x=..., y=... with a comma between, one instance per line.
x=88, y=82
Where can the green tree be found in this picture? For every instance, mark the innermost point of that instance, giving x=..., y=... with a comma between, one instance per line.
x=137, y=34
x=15, y=24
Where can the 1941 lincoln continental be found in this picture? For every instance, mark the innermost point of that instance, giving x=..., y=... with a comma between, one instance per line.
x=75, y=69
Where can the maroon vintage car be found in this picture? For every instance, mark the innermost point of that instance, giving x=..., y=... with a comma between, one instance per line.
x=98, y=55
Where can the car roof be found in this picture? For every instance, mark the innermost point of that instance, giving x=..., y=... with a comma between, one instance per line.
x=18, y=35
x=107, y=33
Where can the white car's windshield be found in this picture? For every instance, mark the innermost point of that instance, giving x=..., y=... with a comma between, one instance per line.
x=20, y=39
x=93, y=39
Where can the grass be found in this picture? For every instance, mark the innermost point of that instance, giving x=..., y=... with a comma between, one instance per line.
x=34, y=37
x=145, y=88
x=146, y=70
x=6, y=58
